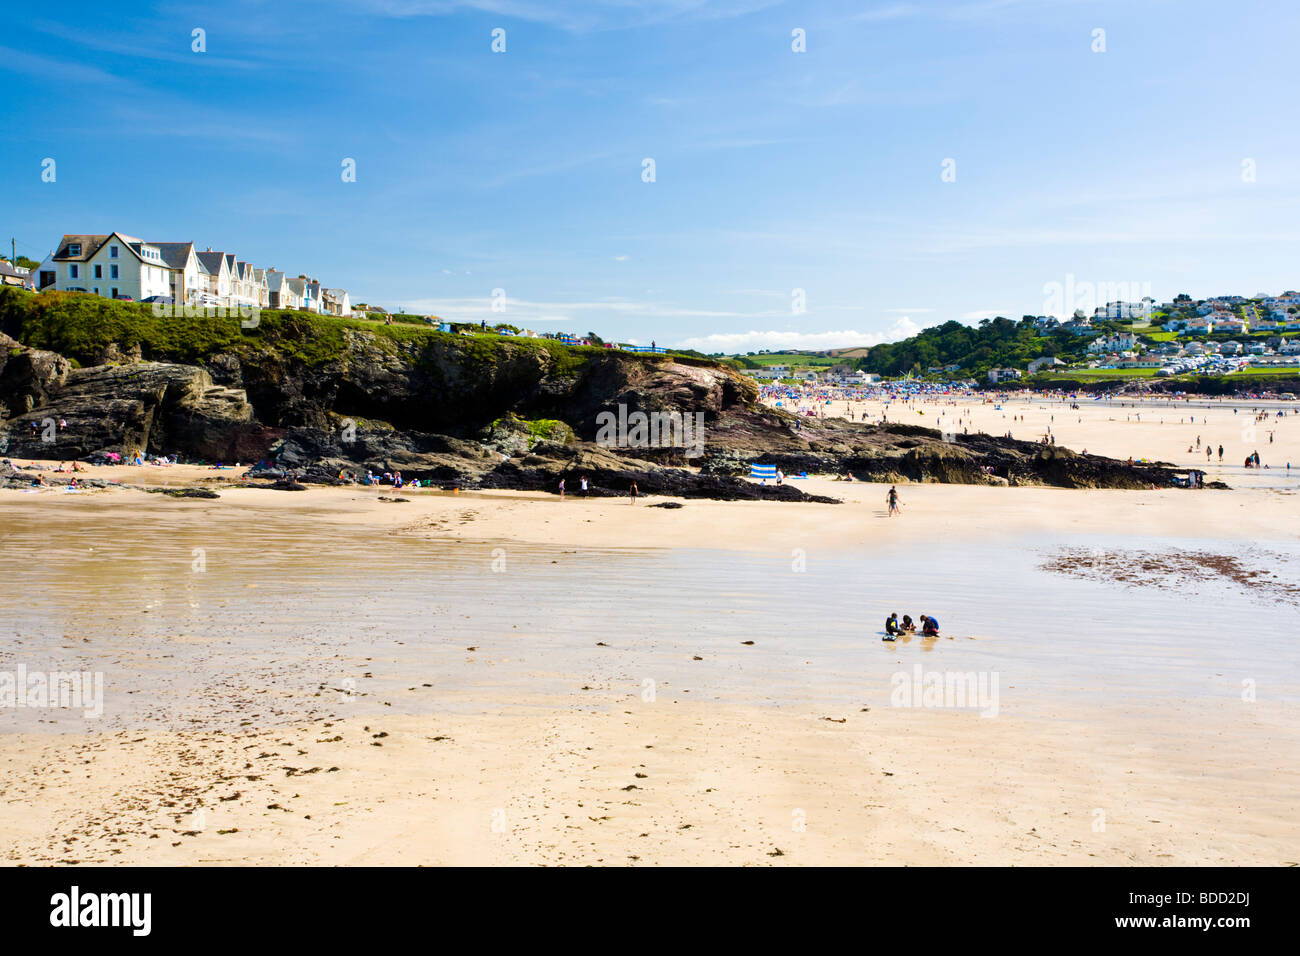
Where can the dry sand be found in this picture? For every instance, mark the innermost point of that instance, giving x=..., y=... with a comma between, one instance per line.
x=663, y=783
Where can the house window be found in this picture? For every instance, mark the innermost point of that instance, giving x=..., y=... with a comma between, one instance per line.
x=96, y=290
x=74, y=248
x=99, y=271
x=73, y=272
x=115, y=292
x=112, y=252
x=113, y=271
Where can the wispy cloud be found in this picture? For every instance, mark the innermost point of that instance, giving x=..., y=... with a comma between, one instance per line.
x=783, y=339
x=132, y=47
x=516, y=311
x=579, y=17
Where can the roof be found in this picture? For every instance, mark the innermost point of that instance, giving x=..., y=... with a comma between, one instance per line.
x=90, y=244
x=211, y=261
x=175, y=254
x=6, y=269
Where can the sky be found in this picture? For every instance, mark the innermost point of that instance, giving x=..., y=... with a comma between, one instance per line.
x=825, y=174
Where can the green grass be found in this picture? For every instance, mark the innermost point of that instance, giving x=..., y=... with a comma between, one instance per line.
x=1275, y=372
x=793, y=359
x=1109, y=373
x=81, y=326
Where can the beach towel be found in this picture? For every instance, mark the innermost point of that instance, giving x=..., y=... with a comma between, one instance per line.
x=762, y=471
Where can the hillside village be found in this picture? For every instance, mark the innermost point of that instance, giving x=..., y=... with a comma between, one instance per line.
x=1220, y=335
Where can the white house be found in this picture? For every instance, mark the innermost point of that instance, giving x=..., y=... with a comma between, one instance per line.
x=306, y=292
x=1047, y=361
x=336, y=302
x=1112, y=343
x=185, y=283
x=115, y=265
x=279, y=292
x=217, y=282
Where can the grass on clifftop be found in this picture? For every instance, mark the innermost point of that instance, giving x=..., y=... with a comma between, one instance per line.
x=81, y=326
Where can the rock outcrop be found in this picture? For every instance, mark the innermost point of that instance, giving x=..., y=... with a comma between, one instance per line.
x=154, y=407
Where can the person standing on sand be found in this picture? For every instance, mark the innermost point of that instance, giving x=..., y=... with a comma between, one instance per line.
x=633, y=492
x=561, y=489
x=892, y=499
x=582, y=484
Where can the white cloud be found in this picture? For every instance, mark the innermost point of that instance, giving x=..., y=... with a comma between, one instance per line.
x=753, y=340
x=982, y=314
x=578, y=17
x=524, y=311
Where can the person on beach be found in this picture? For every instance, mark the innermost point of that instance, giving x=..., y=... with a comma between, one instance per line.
x=907, y=626
x=929, y=626
x=1220, y=453
x=892, y=499
x=582, y=484
x=892, y=630
x=633, y=492
x=561, y=489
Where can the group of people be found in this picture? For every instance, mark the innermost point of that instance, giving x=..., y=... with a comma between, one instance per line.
x=893, y=629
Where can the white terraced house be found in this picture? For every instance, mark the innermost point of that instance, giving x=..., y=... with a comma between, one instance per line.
x=279, y=294
x=120, y=266
x=307, y=292
x=217, y=280
x=336, y=302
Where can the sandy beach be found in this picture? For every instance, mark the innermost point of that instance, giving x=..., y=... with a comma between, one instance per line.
x=325, y=677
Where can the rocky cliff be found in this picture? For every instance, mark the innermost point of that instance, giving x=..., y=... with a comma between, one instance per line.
x=325, y=396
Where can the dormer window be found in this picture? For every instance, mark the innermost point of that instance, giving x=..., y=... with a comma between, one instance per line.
x=74, y=248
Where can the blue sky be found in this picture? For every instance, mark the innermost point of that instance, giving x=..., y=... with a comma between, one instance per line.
x=775, y=171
